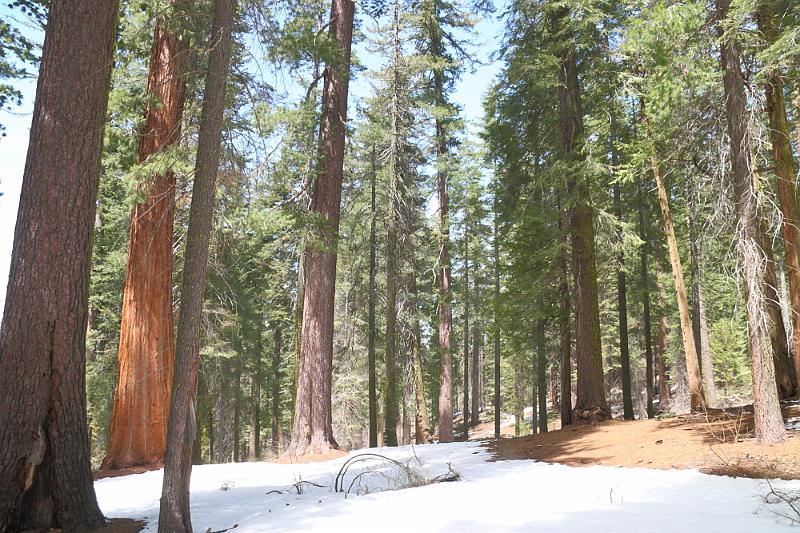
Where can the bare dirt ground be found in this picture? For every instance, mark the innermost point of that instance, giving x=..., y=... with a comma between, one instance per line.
x=717, y=442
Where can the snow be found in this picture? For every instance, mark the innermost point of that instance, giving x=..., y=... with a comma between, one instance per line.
x=511, y=496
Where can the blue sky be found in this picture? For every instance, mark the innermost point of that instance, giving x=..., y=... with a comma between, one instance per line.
x=13, y=146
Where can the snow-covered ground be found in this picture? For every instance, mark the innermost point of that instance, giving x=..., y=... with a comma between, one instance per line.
x=517, y=496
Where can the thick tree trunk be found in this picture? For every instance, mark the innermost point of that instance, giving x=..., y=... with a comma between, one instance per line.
x=591, y=403
x=768, y=421
x=622, y=312
x=174, y=515
x=277, y=426
x=695, y=380
x=45, y=472
x=645, y=281
x=444, y=283
x=786, y=170
x=312, y=430
x=373, y=394
x=146, y=346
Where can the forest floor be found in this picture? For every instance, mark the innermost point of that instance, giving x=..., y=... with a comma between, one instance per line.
x=485, y=495
x=717, y=442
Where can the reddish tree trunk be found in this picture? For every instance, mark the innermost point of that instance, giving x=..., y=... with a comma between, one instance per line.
x=45, y=473
x=443, y=271
x=313, y=430
x=786, y=170
x=146, y=347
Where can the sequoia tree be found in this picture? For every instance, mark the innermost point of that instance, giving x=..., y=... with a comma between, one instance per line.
x=312, y=430
x=45, y=472
x=146, y=346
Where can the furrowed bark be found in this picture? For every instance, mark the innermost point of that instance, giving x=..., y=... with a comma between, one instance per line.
x=767, y=414
x=146, y=347
x=312, y=430
x=45, y=472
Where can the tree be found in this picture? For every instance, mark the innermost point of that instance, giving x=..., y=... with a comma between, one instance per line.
x=644, y=273
x=395, y=169
x=786, y=171
x=174, y=515
x=45, y=473
x=312, y=430
x=696, y=393
x=750, y=239
x=591, y=401
x=495, y=305
x=371, y=334
x=146, y=348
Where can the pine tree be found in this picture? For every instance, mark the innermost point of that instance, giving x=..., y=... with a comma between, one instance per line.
x=45, y=475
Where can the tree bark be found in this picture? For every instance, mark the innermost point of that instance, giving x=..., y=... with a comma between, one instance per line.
x=645, y=281
x=146, y=347
x=591, y=403
x=444, y=284
x=784, y=373
x=695, y=381
x=395, y=168
x=312, y=430
x=372, y=393
x=45, y=472
x=767, y=414
x=786, y=170
x=174, y=515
